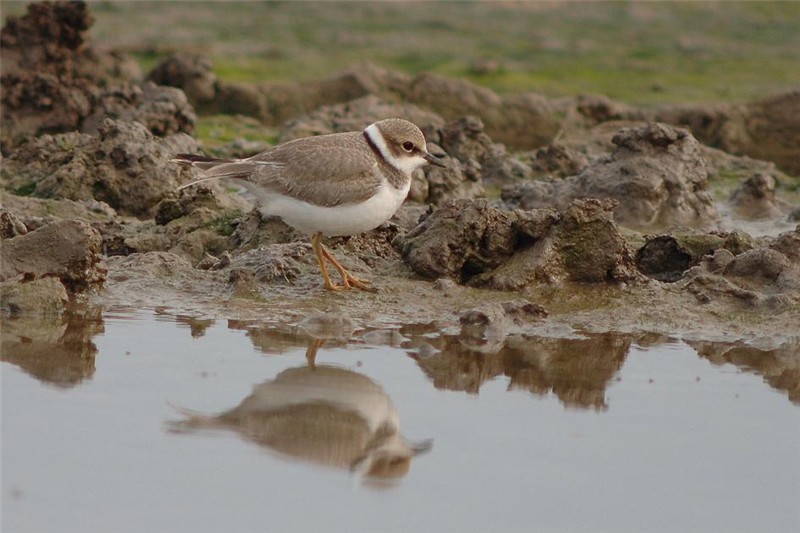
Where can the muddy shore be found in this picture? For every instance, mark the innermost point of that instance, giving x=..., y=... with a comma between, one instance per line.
x=681, y=221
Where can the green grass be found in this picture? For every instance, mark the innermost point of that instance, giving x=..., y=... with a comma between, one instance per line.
x=216, y=131
x=644, y=53
x=25, y=190
x=148, y=59
x=688, y=52
x=223, y=225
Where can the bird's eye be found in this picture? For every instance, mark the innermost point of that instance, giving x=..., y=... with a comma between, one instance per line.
x=408, y=146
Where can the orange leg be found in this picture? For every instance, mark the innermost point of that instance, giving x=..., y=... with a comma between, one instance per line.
x=319, y=251
x=311, y=352
x=348, y=279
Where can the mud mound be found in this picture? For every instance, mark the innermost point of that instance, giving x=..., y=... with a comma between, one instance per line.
x=276, y=262
x=767, y=128
x=456, y=180
x=764, y=276
x=54, y=81
x=474, y=243
x=460, y=240
x=788, y=244
x=668, y=257
x=44, y=296
x=162, y=110
x=755, y=199
x=34, y=213
x=123, y=165
x=773, y=128
x=68, y=250
x=10, y=225
x=472, y=159
x=557, y=160
x=585, y=245
x=192, y=225
x=275, y=103
x=466, y=140
x=521, y=121
x=357, y=115
x=51, y=29
x=255, y=231
x=657, y=174
x=597, y=108
x=190, y=72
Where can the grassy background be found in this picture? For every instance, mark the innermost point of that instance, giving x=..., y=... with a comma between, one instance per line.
x=642, y=53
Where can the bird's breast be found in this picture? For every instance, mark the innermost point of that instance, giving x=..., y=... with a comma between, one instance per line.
x=340, y=220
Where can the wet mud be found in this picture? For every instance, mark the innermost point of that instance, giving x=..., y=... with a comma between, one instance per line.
x=607, y=217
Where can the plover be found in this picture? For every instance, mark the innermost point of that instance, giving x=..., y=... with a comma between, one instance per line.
x=327, y=415
x=332, y=185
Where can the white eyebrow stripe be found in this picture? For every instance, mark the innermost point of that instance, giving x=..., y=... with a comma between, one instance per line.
x=377, y=139
x=406, y=165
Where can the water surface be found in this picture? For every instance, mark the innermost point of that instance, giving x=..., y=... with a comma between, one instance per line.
x=145, y=421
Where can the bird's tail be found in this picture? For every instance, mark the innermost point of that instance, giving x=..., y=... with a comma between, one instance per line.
x=202, y=162
x=213, y=168
x=193, y=420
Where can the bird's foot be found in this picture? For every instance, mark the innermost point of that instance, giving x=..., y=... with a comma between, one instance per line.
x=336, y=288
x=350, y=280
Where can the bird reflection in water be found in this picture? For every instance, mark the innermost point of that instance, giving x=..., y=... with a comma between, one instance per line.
x=323, y=414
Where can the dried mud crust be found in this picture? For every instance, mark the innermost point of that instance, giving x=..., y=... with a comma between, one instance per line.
x=190, y=72
x=474, y=243
x=40, y=270
x=755, y=199
x=68, y=250
x=767, y=128
x=667, y=257
x=656, y=173
x=54, y=80
x=123, y=165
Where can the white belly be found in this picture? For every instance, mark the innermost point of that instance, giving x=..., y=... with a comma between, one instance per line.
x=349, y=219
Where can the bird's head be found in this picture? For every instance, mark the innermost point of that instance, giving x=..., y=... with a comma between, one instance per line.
x=401, y=144
x=389, y=456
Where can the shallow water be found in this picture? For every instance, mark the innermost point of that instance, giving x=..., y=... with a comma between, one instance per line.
x=109, y=423
x=770, y=227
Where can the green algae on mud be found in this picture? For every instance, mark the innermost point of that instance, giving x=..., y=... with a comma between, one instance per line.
x=225, y=224
x=217, y=131
x=690, y=52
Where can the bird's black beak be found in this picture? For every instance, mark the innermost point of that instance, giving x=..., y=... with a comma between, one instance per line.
x=433, y=160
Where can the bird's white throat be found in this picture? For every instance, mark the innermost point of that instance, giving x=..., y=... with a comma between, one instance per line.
x=405, y=164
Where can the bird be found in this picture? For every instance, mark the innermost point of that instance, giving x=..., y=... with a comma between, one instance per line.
x=329, y=185
x=323, y=414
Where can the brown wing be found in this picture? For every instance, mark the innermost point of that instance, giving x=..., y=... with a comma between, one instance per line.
x=329, y=170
